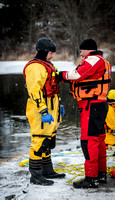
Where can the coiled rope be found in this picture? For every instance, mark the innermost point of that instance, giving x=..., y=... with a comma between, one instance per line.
x=74, y=169
x=77, y=170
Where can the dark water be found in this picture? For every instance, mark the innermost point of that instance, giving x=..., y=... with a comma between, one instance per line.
x=14, y=127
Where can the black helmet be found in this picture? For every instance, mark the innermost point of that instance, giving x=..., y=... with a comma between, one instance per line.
x=45, y=44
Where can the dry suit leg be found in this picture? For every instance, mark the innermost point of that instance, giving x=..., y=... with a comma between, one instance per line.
x=102, y=154
x=52, y=145
x=90, y=151
x=42, y=138
x=92, y=135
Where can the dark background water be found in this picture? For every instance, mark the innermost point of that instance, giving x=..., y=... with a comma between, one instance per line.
x=14, y=127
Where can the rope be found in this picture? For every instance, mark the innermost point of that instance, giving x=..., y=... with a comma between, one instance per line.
x=74, y=169
x=78, y=170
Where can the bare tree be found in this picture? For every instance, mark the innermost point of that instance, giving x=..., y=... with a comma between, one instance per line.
x=78, y=17
x=67, y=22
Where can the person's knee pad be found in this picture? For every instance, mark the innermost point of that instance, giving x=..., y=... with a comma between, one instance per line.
x=44, y=148
x=53, y=142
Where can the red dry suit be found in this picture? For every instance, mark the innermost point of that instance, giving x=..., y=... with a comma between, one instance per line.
x=93, y=108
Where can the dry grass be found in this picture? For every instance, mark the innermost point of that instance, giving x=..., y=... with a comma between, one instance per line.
x=14, y=57
x=106, y=45
x=63, y=55
x=109, y=50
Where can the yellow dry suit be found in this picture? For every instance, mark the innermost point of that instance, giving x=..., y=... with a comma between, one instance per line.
x=37, y=75
x=110, y=119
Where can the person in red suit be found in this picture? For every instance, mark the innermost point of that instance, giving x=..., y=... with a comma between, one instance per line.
x=90, y=85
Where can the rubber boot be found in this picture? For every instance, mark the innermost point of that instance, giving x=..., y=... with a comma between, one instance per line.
x=38, y=178
x=102, y=176
x=48, y=170
x=88, y=182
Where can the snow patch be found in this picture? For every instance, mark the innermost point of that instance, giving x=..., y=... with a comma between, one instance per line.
x=15, y=180
x=16, y=67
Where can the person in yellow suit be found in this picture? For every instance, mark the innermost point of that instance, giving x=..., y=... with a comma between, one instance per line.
x=43, y=111
x=110, y=119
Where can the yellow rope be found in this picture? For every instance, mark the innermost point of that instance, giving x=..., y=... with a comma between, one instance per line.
x=76, y=170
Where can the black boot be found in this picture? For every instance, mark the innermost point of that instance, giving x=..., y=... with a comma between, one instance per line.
x=36, y=173
x=88, y=182
x=48, y=171
x=38, y=178
x=102, y=176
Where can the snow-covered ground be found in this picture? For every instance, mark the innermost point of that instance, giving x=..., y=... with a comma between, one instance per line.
x=16, y=67
x=15, y=180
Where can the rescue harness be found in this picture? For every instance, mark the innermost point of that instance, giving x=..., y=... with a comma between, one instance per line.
x=51, y=87
x=92, y=88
